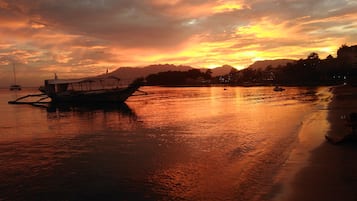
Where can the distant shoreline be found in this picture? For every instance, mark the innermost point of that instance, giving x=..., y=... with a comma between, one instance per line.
x=239, y=85
x=210, y=85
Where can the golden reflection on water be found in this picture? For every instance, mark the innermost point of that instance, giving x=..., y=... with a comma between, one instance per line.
x=231, y=141
x=175, y=143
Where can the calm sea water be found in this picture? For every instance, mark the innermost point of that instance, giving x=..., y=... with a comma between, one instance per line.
x=172, y=144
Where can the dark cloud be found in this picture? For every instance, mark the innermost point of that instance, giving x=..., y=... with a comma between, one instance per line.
x=126, y=22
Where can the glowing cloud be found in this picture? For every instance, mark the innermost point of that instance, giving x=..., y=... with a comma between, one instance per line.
x=225, y=6
x=265, y=29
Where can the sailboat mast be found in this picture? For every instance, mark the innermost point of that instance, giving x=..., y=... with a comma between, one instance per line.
x=13, y=68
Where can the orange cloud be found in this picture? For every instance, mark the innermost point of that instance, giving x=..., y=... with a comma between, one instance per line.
x=262, y=30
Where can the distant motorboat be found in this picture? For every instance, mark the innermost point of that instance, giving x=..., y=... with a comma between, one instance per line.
x=277, y=88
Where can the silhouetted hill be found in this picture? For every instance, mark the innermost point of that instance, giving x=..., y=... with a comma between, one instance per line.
x=130, y=73
x=311, y=71
x=223, y=70
x=127, y=74
x=261, y=65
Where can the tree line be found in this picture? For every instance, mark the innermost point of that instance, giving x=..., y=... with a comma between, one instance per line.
x=308, y=71
x=190, y=77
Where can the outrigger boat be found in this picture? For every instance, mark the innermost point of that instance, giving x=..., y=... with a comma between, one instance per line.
x=89, y=90
x=84, y=91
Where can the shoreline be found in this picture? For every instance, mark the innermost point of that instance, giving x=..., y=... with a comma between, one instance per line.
x=316, y=168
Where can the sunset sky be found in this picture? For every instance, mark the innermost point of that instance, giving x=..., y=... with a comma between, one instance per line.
x=85, y=37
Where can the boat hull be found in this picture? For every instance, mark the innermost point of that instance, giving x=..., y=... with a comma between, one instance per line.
x=109, y=95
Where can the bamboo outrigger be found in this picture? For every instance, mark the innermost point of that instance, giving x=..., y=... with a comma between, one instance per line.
x=38, y=102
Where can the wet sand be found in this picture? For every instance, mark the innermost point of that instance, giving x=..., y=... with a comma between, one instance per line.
x=318, y=169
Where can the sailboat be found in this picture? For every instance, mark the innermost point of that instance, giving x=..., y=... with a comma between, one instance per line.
x=14, y=87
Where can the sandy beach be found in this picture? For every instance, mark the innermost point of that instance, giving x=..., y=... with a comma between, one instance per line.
x=318, y=169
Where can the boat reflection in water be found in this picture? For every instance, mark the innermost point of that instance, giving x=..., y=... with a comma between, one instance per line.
x=105, y=107
x=99, y=116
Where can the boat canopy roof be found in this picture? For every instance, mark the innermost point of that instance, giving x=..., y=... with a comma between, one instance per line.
x=82, y=80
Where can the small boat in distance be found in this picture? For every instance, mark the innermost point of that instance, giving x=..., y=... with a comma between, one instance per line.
x=14, y=87
x=89, y=90
x=277, y=88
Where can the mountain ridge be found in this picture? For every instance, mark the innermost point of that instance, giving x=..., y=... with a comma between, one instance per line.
x=261, y=65
x=128, y=74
